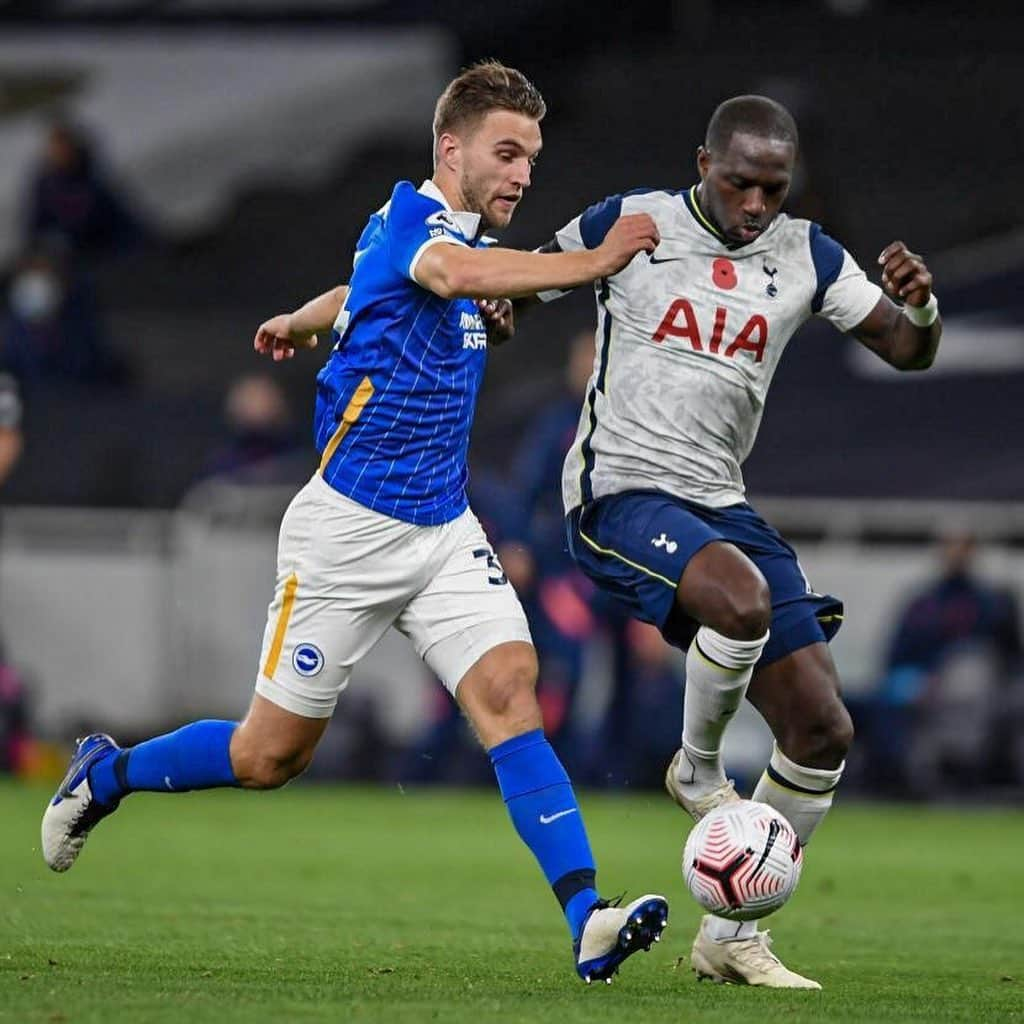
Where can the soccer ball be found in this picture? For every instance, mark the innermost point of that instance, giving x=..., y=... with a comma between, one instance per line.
x=742, y=860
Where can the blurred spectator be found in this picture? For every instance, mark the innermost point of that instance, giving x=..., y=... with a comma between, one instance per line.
x=71, y=198
x=262, y=446
x=951, y=681
x=52, y=330
x=10, y=425
x=13, y=711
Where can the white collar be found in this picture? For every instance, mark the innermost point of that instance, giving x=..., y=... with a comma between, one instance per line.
x=469, y=223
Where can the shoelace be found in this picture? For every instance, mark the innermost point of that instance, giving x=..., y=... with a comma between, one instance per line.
x=602, y=904
x=759, y=949
x=725, y=793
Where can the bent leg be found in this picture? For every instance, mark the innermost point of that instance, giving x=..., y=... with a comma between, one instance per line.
x=724, y=591
x=272, y=745
x=798, y=696
x=497, y=695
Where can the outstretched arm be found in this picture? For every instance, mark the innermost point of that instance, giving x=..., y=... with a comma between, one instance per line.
x=906, y=337
x=456, y=271
x=281, y=335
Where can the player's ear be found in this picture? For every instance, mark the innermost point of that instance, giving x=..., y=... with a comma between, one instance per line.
x=448, y=151
x=703, y=161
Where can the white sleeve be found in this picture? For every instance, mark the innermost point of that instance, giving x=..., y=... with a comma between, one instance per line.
x=568, y=239
x=850, y=297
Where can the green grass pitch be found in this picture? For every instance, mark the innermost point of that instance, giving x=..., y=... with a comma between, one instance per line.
x=350, y=904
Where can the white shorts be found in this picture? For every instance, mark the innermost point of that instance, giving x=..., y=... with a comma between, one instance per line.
x=346, y=573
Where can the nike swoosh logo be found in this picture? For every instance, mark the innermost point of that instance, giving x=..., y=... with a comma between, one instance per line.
x=546, y=819
x=667, y=259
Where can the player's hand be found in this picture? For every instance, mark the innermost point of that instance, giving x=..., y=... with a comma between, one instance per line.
x=498, y=319
x=904, y=275
x=633, y=233
x=274, y=338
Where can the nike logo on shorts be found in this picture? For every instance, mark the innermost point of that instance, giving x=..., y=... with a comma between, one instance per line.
x=546, y=819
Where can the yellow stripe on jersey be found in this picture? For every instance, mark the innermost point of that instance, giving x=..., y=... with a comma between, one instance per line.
x=352, y=412
x=622, y=558
x=700, y=214
x=287, y=604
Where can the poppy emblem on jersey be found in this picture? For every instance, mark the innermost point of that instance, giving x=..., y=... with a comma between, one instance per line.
x=307, y=660
x=723, y=273
x=772, y=289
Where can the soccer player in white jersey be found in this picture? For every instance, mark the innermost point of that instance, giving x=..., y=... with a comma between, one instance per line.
x=688, y=338
x=382, y=534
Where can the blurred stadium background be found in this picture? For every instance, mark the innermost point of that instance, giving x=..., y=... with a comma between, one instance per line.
x=235, y=149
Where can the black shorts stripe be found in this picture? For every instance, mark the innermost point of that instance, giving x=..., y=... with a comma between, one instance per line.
x=781, y=780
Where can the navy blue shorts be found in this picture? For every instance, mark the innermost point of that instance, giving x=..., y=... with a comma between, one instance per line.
x=635, y=546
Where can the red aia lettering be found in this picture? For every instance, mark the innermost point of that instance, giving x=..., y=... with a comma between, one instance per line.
x=718, y=329
x=744, y=338
x=689, y=329
x=680, y=321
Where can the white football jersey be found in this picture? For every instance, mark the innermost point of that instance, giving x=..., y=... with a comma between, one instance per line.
x=688, y=339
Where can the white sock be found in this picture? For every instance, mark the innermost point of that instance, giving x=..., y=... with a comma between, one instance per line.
x=718, y=670
x=721, y=929
x=802, y=795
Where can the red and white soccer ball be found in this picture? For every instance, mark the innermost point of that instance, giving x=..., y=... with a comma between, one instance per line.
x=742, y=860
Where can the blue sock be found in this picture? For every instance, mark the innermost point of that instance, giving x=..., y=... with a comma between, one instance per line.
x=194, y=757
x=543, y=808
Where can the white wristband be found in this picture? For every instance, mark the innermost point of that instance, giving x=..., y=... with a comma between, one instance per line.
x=923, y=316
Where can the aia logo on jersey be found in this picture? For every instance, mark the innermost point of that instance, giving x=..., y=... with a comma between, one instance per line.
x=680, y=321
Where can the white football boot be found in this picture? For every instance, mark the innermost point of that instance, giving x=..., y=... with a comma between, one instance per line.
x=73, y=813
x=697, y=807
x=612, y=933
x=743, y=962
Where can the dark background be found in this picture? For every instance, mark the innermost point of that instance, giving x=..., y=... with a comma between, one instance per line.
x=911, y=117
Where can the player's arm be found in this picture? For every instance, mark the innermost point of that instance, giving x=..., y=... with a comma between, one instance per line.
x=457, y=271
x=906, y=337
x=281, y=335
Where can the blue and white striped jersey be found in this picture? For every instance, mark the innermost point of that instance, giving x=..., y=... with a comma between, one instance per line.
x=395, y=400
x=688, y=340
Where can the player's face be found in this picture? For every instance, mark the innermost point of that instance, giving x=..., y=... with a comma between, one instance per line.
x=495, y=164
x=743, y=188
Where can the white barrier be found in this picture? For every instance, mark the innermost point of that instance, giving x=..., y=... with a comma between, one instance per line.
x=140, y=619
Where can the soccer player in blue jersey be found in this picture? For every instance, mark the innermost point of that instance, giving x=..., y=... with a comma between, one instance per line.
x=382, y=535
x=688, y=339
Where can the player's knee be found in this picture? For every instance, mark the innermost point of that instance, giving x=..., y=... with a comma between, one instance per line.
x=744, y=611
x=508, y=691
x=270, y=770
x=824, y=737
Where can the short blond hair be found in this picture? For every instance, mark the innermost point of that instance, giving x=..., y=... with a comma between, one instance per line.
x=485, y=86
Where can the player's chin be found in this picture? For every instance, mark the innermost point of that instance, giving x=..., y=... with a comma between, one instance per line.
x=500, y=211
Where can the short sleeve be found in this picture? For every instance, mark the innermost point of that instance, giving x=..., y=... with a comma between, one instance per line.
x=586, y=231
x=414, y=223
x=843, y=295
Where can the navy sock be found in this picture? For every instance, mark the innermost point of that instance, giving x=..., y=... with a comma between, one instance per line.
x=193, y=757
x=543, y=809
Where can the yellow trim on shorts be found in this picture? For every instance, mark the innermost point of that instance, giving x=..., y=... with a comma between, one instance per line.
x=287, y=604
x=622, y=558
x=352, y=412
